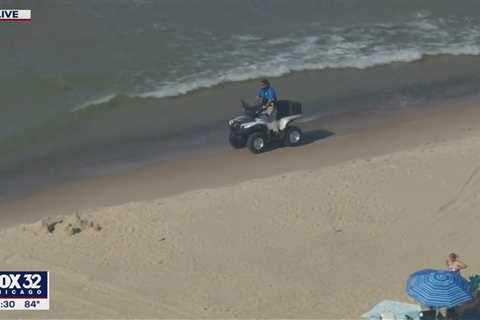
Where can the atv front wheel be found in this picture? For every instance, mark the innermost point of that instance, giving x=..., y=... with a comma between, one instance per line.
x=293, y=136
x=256, y=142
x=237, y=141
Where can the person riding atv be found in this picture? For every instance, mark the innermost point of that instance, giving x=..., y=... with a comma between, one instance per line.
x=267, y=98
x=255, y=131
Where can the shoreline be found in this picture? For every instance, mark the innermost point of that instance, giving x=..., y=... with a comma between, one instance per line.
x=129, y=133
x=349, y=136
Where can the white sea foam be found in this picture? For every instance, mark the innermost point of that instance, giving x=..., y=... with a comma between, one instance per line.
x=276, y=70
x=350, y=48
x=247, y=38
x=95, y=102
x=423, y=14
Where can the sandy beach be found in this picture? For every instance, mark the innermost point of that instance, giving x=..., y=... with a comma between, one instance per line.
x=325, y=230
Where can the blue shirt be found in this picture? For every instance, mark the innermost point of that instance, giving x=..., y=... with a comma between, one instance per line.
x=267, y=94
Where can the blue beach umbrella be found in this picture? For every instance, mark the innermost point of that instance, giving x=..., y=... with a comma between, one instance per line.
x=438, y=288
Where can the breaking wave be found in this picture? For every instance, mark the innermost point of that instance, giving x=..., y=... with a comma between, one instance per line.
x=253, y=57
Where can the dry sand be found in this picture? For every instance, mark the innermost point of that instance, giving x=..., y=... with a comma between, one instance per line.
x=323, y=242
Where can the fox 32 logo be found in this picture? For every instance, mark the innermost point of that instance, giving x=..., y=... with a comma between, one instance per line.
x=24, y=290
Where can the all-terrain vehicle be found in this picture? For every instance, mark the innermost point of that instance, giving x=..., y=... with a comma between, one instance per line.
x=254, y=130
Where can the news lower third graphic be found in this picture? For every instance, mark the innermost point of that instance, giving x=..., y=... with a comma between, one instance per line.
x=24, y=290
x=15, y=15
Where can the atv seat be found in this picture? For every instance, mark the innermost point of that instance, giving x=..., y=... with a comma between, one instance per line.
x=286, y=108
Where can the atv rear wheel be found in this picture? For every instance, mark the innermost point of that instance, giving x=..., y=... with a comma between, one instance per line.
x=237, y=141
x=256, y=142
x=293, y=136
